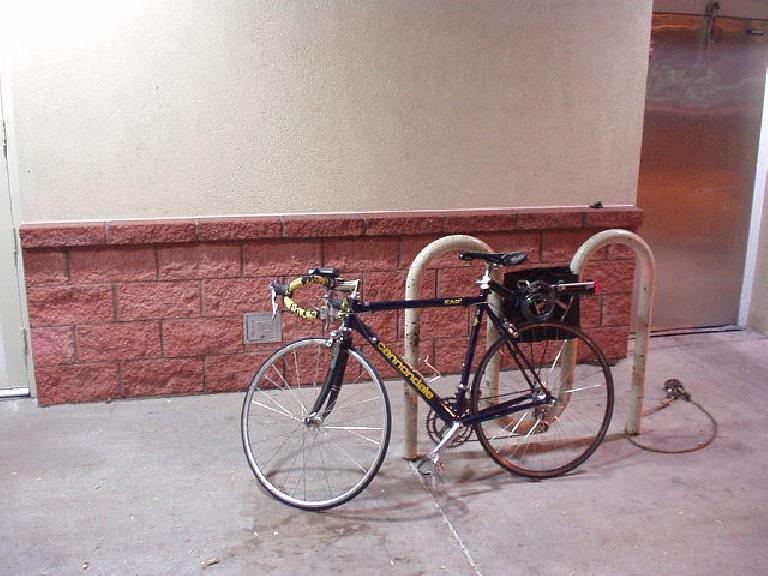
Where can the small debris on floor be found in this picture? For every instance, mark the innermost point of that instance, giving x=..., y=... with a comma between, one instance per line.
x=210, y=562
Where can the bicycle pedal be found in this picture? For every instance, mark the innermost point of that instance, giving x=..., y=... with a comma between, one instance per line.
x=427, y=467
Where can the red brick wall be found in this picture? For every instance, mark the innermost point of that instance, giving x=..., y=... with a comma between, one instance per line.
x=146, y=308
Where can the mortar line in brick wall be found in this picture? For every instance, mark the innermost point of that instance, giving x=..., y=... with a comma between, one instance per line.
x=213, y=354
x=242, y=260
x=107, y=232
x=202, y=297
x=120, y=384
x=200, y=294
x=75, y=345
x=205, y=374
x=197, y=229
x=68, y=258
x=64, y=325
x=114, y=303
x=156, y=256
x=162, y=338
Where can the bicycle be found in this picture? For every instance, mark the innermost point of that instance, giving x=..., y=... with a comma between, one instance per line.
x=316, y=418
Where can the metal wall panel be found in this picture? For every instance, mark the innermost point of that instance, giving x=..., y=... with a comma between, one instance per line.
x=702, y=125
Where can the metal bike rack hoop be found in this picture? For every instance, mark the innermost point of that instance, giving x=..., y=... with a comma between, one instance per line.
x=644, y=308
x=413, y=282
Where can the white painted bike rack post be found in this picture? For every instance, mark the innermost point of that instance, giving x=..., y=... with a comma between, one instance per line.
x=644, y=308
x=419, y=264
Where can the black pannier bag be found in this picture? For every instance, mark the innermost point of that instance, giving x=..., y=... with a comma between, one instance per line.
x=552, y=307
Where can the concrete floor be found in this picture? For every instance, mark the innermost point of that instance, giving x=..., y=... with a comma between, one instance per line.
x=161, y=486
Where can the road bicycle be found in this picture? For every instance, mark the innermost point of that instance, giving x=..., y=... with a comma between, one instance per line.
x=316, y=418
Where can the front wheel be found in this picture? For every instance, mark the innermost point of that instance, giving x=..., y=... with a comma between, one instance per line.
x=314, y=461
x=545, y=359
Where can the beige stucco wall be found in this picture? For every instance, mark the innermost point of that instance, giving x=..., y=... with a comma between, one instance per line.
x=190, y=108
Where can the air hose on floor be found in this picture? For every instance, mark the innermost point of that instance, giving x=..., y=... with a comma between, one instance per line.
x=674, y=390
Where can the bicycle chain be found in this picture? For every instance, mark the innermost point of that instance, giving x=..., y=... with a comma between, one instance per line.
x=436, y=428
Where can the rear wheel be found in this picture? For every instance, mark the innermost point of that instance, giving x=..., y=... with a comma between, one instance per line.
x=547, y=440
x=311, y=461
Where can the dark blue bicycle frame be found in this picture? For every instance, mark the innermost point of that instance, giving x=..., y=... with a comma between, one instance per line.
x=444, y=410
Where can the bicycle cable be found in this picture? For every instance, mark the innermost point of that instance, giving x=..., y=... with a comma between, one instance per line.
x=675, y=390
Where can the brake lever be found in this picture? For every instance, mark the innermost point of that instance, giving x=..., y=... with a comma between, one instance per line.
x=275, y=307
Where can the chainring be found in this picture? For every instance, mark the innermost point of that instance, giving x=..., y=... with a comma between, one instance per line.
x=436, y=428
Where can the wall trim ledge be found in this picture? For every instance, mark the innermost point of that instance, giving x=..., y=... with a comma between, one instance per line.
x=342, y=225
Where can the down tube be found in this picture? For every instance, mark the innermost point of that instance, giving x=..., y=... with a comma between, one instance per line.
x=406, y=371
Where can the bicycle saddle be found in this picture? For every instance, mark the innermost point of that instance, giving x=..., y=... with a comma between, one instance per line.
x=500, y=258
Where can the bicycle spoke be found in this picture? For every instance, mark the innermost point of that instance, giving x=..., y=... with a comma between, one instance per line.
x=543, y=356
x=351, y=459
x=315, y=377
x=525, y=444
x=303, y=462
x=277, y=451
x=291, y=391
x=286, y=388
x=271, y=398
x=552, y=438
x=282, y=412
x=346, y=405
x=327, y=458
x=322, y=462
x=352, y=430
x=517, y=425
x=552, y=367
x=572, y=390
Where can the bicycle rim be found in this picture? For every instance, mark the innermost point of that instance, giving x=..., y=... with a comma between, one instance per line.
x=544, y=441
x=319, y=463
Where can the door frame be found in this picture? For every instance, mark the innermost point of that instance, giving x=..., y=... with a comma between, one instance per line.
x=13, y=200
x=756, y=217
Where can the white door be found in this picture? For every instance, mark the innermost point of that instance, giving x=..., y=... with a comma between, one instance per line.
x=13, y=370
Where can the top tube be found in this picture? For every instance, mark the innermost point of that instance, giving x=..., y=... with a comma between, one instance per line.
x=444, y=302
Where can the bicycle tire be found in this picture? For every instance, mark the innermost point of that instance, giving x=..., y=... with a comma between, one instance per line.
x=323, y=463
x=544, y=441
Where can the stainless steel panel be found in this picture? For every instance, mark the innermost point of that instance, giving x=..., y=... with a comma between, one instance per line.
x=702, y=124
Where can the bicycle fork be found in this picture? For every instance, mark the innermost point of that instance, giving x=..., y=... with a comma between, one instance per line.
x=329, y=393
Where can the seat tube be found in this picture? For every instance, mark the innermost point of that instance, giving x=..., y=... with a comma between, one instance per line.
x=470, y=355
